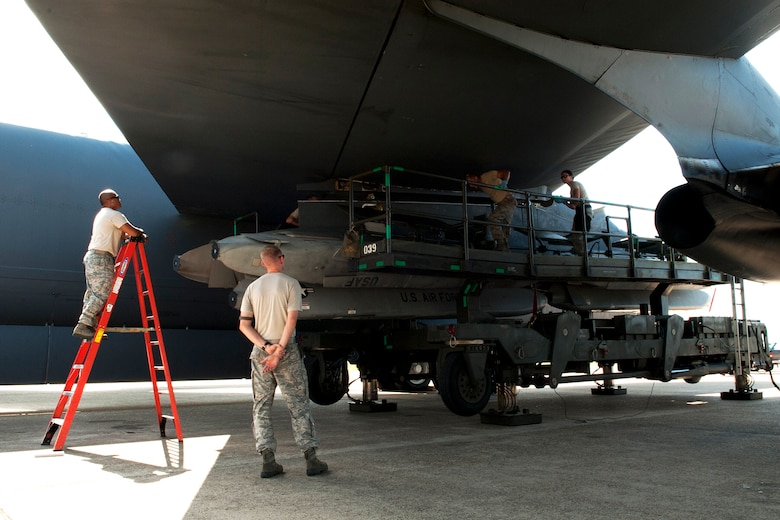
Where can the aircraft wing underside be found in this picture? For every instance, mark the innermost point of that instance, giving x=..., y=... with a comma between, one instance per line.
x=232, y=104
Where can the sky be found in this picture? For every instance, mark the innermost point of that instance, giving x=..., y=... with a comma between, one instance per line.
x=40, y=89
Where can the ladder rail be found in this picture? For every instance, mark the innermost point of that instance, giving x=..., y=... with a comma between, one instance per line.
x=81, y=355
x=142, y=295
x=145, y=292
x=75, y=398
x=67, y=393
x=81, y=369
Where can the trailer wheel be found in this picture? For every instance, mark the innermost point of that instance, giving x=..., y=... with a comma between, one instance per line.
x=461, y=395
x=402, y=377
x=417, y=385
x=403, y=384
x=331, y=386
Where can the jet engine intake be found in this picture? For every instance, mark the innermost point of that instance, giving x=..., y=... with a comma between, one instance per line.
x=721, y=231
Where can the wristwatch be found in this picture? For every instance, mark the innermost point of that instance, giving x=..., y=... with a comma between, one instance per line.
x=266, y=344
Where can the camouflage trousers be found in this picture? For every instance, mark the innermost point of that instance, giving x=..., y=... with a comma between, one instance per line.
x=290, y=376
x=502, y=214
x=582, y=220
x=99, y=272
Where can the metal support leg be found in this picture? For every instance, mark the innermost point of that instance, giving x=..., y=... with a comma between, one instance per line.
x=369, y=403
x=508, y=413
x=608, y=388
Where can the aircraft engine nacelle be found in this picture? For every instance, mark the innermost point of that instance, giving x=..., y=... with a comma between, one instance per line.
x=721, y=231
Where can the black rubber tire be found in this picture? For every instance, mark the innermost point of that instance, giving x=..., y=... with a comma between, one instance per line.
x=456, y=390
x=333, y=386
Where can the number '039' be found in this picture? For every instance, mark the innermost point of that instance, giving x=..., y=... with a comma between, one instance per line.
x=369, y=248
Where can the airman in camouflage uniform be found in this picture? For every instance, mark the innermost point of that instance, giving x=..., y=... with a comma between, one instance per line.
x=109, y=228
x=496, y=184
x=273, y=302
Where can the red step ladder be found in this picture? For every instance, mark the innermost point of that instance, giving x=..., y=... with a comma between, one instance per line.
x=62, y=418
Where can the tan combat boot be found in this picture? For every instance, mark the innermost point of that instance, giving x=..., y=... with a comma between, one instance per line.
x=314, y=466
x=270, y=466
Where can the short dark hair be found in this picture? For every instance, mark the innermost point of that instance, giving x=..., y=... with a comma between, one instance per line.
x=271, y=251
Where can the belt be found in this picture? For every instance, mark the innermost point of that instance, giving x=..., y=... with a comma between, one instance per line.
x=99, y=252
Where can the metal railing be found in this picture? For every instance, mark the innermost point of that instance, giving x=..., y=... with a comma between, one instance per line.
x=237, y=221
x=382, y=197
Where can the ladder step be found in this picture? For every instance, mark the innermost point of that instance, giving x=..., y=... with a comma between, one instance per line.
x=78, y=366
x=129, y=329
x=159, y=367
x=170, y=417
x=59, y=421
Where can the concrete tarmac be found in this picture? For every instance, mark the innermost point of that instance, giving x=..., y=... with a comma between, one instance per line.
x=664, y=450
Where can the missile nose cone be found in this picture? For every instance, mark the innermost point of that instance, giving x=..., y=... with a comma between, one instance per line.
x=194, y=264
x=198, y=265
